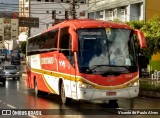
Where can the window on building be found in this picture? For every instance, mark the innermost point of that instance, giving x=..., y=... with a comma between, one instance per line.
x=1, y=38
x=82, y=1
x=13, y=36
x=39, y=0
x=26, y=8
x=47, y=11
x=46, y=0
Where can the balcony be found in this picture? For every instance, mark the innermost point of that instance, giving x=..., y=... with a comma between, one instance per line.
x=108, y=4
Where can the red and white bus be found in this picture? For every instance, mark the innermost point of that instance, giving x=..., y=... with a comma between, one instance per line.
x=85, y=60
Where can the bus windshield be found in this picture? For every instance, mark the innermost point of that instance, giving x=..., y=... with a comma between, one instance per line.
x=106, y=49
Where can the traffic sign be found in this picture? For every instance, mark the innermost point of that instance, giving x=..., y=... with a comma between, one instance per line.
x=28, y=22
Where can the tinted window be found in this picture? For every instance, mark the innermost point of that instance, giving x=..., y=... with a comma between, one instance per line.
x=43, y=43
x=65, y=44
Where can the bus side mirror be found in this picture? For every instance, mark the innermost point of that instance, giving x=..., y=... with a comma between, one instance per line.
x=141, y=38
x=74, y=39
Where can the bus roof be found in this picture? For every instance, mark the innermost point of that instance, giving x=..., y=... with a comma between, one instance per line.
x=90, y=23
x=87, y=23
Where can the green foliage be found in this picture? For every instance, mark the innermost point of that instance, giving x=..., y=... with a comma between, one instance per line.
x=151, y=30
x=23, y=47
x=136, y=24
x=145, y=86
x=155, y=65
x=116, y=21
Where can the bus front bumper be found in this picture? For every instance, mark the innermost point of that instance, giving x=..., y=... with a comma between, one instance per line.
x=96, y=94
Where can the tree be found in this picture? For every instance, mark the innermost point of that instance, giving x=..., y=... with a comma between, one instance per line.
x=151, y=30
x=23, y=47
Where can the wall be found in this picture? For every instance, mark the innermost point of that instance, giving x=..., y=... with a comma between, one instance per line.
x=152, y=8
x=44, y=12
x=155, y=62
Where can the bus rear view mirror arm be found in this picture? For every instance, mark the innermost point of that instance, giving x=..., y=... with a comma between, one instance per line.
x=74, y=39
x=141, y=38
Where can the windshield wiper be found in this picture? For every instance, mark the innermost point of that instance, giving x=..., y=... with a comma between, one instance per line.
x=109, y=71
x=95, y=66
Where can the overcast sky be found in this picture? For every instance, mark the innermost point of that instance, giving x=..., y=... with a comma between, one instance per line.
x=9, y=1
x=6, y=5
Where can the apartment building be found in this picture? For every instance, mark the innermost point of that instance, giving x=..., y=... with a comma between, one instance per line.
x=44, y=10
x=124, y=10
x=9, y=31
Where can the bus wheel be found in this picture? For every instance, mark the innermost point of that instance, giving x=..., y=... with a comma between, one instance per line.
x=38, y=92
x=113, y=104
x=35, y=88
x=64, y=99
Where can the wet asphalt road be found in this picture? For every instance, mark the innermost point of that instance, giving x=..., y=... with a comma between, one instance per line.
x=15, y=95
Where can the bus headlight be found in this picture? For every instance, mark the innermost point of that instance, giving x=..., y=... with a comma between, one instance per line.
x=134, y=84
x=85, y=85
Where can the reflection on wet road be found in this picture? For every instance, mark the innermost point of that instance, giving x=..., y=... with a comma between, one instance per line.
x=16, y=96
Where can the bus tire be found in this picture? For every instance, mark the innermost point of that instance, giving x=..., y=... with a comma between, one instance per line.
x=64, y=99
x=113, y=104
x=36, y=92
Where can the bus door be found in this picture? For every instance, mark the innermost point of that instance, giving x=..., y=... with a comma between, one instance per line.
x=67, y=63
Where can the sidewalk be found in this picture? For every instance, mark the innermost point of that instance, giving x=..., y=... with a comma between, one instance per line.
x=150, y=87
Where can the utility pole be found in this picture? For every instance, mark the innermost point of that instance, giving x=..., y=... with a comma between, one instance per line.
x=73, y=11
x=29, y=28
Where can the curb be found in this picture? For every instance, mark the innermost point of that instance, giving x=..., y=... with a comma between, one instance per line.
x=149, y=94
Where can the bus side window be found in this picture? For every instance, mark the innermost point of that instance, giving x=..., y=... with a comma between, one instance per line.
x=64, y=41
x=50, y=40
x=65, y=44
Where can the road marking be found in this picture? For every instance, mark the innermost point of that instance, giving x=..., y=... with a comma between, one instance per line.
x=10, y=106
x=32, y=116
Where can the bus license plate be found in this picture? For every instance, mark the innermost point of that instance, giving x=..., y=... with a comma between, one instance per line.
x=110, y=93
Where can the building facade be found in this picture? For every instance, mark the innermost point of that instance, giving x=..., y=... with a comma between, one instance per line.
x=9, y=31
x=123, y=10
x=49, y=12
x=127, y=10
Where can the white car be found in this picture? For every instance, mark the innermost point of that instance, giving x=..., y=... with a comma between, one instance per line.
x=11, y=71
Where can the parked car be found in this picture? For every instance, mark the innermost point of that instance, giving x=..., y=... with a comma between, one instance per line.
x=2, y=77
x=11, y=71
